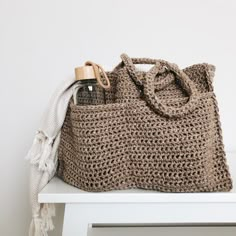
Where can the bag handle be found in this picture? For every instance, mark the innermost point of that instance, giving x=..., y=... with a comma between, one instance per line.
x=129, y=64
x=149, y=87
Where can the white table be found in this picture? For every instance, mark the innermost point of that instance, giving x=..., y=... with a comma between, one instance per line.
x=84, y=209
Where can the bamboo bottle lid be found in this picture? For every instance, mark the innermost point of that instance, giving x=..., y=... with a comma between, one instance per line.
x=84, y=72
x=92, y=70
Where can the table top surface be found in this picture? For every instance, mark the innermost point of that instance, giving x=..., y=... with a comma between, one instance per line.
x=57, y=191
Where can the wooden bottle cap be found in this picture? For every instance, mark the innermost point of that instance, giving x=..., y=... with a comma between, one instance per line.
x=84, y=72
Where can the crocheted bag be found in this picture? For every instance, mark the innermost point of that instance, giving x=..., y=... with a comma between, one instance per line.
x=159, y=130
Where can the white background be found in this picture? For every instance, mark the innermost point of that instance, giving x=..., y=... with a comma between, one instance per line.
x=42, y=41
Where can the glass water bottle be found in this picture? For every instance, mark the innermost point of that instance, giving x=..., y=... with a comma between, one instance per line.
x=88, y=90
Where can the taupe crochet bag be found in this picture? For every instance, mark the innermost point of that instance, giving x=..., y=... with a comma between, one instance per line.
x=159, y=130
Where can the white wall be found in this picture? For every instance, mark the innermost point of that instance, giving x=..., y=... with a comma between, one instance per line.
x=42, y=41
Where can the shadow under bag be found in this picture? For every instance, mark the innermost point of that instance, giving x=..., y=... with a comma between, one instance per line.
x=159, y=130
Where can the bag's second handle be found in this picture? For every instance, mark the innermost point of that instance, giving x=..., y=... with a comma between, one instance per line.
x=149, y=85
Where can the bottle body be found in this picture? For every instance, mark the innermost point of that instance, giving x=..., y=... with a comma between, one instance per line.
x=89, y=92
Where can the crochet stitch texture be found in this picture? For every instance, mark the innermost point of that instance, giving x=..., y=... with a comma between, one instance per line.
x=159, y=130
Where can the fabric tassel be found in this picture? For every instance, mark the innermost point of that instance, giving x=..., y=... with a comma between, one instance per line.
x=36, y=228
x=36, y=149
x=40, y=152
x=47, y=212
x=45, y=164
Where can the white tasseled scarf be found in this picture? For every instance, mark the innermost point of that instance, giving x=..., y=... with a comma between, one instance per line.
x=43, y=157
